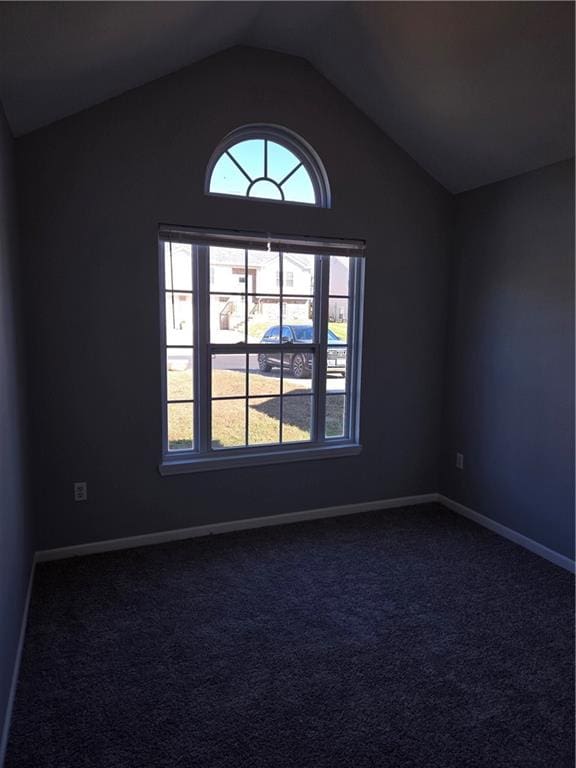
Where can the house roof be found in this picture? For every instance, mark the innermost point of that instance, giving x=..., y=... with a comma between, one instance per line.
x=474, y=91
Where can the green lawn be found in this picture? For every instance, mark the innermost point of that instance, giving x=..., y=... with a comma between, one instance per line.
x=228, y=416
x=257, y=329
x=340, y=329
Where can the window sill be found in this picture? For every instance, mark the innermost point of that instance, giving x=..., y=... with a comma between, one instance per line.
x=181, y=465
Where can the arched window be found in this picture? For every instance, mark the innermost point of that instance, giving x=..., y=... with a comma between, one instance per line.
x=268, y=163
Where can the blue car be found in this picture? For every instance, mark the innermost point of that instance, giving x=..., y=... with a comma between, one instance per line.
x=299, y=364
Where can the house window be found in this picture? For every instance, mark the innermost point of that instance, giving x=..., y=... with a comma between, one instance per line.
x=258, y=377
x=268, y=163
x=288, y=280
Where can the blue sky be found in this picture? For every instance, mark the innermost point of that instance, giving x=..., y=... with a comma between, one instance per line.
x=228, y=179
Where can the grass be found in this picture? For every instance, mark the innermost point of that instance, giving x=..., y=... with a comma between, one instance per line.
x=229, y=416
x=257, y=329
x=340, y=329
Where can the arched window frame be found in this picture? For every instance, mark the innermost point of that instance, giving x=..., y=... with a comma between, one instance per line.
x=290, y=141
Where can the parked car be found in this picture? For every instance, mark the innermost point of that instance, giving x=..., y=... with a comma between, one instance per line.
x=299, y=364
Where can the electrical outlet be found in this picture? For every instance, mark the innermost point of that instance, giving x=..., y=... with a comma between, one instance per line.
x=459, y=461
x=81, y=491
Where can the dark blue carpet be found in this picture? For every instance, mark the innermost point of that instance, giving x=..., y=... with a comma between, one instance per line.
x=399, y=638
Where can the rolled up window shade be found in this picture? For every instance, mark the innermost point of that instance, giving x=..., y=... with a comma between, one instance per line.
x=263, y=241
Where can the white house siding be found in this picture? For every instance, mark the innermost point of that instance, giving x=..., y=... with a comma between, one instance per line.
x=228, y=277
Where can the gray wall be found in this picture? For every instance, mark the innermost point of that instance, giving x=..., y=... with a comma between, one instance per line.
x=94, y=188
x=510, y=382
x=15, y=541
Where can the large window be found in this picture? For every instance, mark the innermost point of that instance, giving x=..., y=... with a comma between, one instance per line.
x=261, y=346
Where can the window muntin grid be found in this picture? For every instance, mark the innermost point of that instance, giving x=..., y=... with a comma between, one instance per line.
x=304, y=412
x=268, y=163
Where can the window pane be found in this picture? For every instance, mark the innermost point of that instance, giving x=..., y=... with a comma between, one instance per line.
x=300, y=332
x=227, y=179
x=227, y=270
x=250, y=155
x=299, y=187
x=298, y=274
x=336, y=368
x=227, y=318
x=335, y=415
x=228, y=423
x=263, y=315
x=179, y=372
x=263, y=272
x=296, y=418
x=299, y=313
x=266, y=190
x=228, y=375
x=298, y=371
x=180, y=426
x=339, y=275
x=178, y=266
x=179, y=319
x=280, y=161
x=264, y=375
x=337, y=321
x=263, y=420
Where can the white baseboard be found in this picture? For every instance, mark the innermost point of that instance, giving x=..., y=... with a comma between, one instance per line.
x=16, y=668
x=259, y=522
x=509, y=533
x=234, y=525
x=178, y=534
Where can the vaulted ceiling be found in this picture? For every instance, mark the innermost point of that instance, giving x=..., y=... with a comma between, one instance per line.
x=474, y=91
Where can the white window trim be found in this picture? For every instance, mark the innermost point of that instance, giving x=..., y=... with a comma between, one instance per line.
x=202, y=457
x=258, y=458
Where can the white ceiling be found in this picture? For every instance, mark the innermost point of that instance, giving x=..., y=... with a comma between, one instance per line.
x=475, y=92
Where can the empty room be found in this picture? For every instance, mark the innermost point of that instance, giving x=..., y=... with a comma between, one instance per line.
x=287, y=466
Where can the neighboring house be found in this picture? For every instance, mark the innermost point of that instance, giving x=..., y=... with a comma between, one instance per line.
x=263, y=273
x=259, y=279
x=337, y=305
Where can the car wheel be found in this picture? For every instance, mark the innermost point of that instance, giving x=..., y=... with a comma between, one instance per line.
x=263, y=364
x=298, y=367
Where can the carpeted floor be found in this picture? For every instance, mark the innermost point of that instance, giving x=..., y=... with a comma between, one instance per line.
x=399, y=639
